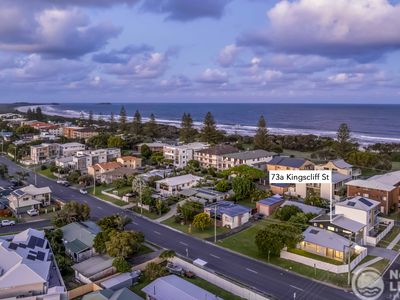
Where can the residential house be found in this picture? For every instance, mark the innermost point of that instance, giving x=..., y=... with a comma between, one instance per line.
x=282, y=163
x=101, y=168
x=131, y=162
x=119, y=173
x=78, y=239
x=250, y=158
x=205, y=195
x=280, y=188
x=383, y=188
x=28, y=197
x=326, y=243
x=28, y=269
x=182, y=154
x=340, y=166
x=213, y=157
x=173, y=185
x=154, y=147
x=304, y=207
x=122, y=280
x=335, y=190
x=269, y=205
x=156, y=173
x=44, y=152
x=94, y=268
x=70, y=149
x=107, y=294
x=228, y=214
x=172, y=287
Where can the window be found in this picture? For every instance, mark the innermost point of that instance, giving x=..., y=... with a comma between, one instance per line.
x=331, y=228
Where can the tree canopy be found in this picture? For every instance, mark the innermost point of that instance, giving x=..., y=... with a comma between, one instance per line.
x=261, y=139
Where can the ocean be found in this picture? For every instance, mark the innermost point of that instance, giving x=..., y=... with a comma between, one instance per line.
x=368, y=123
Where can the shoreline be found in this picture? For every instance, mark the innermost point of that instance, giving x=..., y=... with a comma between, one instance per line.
x=243, y=130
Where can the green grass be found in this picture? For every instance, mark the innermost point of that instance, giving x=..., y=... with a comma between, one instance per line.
x=105, y=197
x=209, y=232
x=389, y=237
x=122, y=191
x=315, y=256
x=367, y=258
x=144, y=250
x=380, y=265
x=146, y=213
x=396, y=165
x=243, y=242
x=306, y=155
x=47, y=173
x=247, y=203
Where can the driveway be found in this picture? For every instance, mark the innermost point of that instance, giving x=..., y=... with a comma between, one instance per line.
x=382, y=252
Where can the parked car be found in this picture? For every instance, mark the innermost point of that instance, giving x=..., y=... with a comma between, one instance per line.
x=83, y=191
x=60, y=181
x=33, y=212
x=66, y=183
x=174, y=269
x=7, y=223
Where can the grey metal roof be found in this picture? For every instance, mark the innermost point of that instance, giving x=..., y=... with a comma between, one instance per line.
x=338, y=177
x=359, y=202
x=341, y=164
x=172, y=287
x=340, y=221
x=219, y=150
x=229, y=208
x=272, y=200
x=254, y=154
x=325, y=238
x=293, y=162
x=85, y=232
x=93, y=265
x=304, y=207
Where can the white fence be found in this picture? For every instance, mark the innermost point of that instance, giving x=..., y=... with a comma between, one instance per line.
x=324, y=265
x=111, y=195
x=220, y=281
x=372, y=241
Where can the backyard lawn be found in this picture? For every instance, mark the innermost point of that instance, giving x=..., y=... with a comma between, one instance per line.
x=243, y=242
x=380, y=265
x=146, y=213
x=209, y=232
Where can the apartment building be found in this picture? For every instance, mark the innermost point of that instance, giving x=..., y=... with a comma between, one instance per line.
x=70, y=149
x=28, y=269
x=44, y=152
x=180, y=155
x=250, y=158
x=154, y=147
x=213, y=157
x=79, y=132
x=383, y=188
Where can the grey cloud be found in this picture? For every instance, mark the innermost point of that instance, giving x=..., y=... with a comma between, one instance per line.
x=184, y=10
x=121, y=56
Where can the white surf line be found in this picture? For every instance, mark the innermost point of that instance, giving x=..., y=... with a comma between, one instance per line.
x=297, y=288
x=184, y=244
x=214, y=256
x=156, y=232
x=252, y=271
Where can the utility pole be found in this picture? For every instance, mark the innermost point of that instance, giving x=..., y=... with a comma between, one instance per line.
x=140, y=196
x=34, y=172
x=94, y=180
x=215, y=223
x=349, y=261
x=330, y=201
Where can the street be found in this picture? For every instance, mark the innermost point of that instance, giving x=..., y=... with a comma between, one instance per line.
x=258, y=275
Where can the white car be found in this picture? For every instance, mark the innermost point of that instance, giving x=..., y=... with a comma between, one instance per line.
x=7, y=223
x=33, y=212
x=83, y=191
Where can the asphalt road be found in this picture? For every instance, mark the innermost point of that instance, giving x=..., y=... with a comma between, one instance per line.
x=263, y=277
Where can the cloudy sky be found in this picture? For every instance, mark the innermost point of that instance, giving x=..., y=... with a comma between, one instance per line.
x=200, y=50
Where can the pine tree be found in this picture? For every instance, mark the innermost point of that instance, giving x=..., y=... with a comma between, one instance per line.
x=100, y=119
x=187, y=132
x=90, y=119
x=261, y=139
x=30, y=114
x=39, y=114
x=122, y=119
x=151, y=126
x=112, y=122
x=209, y=132
x=344, y=144
x=137, y=123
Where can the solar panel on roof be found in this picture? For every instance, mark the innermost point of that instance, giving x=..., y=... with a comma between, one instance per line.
x=40, y=255
x=31, y=257
x=365, y=201
x=13, y=246
x=313, y=231
x=22, y=245
x=351, y=203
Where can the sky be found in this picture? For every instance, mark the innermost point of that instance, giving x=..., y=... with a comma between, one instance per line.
x=318, y=51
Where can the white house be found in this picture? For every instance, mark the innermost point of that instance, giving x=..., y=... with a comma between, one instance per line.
x=173, y=185
x=70, y=149
x=180, y=155
x=28, y=269
x=340, y=166
x=250, y=158
x=228, y=214
x=23, y=199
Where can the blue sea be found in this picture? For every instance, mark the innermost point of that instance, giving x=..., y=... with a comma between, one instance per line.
x=368, y=123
